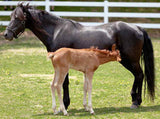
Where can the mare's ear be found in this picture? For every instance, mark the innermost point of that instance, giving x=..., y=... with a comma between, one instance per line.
x=113, y=47
x=25, y=9
x=19, y=14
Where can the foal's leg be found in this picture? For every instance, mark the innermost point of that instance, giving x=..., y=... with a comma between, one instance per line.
x=85, y=88
x=89, y=77
x=59, y=87
x=53, y=88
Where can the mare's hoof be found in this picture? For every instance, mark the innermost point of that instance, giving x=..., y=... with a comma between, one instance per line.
x=133, y=106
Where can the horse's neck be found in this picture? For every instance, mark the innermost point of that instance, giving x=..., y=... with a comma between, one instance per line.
x=45, y=35
x=41, y=36
x=103, y=58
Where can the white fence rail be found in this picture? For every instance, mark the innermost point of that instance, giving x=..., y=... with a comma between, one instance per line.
x=105, y=14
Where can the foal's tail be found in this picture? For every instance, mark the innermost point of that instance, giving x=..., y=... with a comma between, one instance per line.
x=148, y=57
x=50, y=55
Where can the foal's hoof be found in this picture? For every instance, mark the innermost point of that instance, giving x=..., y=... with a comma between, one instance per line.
x=92, y=113
x=57, y=112
x=86, y=109
x=133, y=106
x=66, y=114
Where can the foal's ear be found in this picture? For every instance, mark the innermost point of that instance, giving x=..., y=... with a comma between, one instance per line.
x=113, y=47
x=107, y=51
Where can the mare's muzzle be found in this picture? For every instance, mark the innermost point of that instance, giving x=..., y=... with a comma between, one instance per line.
x=14, y=29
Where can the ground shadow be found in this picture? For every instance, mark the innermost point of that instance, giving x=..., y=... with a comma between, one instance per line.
x=106, y=110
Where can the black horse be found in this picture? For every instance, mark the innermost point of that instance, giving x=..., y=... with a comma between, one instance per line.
x=55, y=32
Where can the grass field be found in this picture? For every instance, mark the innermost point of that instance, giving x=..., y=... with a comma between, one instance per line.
x=25, y=76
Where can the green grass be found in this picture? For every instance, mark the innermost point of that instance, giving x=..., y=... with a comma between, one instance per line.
x=25, y=76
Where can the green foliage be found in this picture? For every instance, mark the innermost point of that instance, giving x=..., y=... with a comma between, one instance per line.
x=2, y=28
x=25, y=76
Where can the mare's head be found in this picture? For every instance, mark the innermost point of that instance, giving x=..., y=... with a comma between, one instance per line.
x=23, y=16
x=115, y=53
x=18, y=22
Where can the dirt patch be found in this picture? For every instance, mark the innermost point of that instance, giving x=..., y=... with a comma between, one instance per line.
x=45, y=76
x=24, y=51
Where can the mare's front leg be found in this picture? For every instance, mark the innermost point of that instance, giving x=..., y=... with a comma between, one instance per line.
x=66, y=98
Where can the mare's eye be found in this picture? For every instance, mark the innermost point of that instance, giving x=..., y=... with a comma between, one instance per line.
x=23, y=22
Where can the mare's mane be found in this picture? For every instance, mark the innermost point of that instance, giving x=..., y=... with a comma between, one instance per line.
x=37, y=14
x=35, y=17
x=39, y=17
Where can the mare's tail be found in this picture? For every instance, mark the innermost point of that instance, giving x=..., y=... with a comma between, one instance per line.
x=148, y=57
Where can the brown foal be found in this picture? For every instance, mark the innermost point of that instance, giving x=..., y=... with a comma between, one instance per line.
x=84, y=60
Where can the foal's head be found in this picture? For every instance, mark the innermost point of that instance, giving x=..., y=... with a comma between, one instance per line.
x=115, y=53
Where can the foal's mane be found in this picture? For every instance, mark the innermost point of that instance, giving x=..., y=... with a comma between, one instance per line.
x=104, y=51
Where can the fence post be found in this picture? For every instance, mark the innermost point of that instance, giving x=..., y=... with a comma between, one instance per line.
x=105, y=11
x=47, y=7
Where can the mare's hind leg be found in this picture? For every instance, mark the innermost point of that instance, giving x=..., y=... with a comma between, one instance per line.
x=137, y=94
x=66, y=98
x=136, y=91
